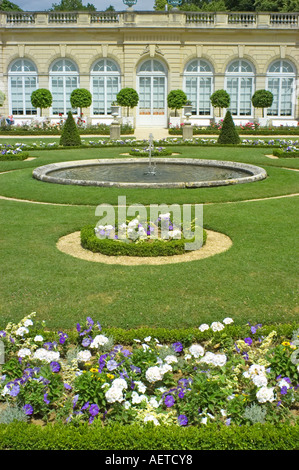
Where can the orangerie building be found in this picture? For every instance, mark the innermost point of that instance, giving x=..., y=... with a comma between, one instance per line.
x=154, y=53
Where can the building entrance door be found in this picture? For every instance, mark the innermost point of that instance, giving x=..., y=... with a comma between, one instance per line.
x=152, y=88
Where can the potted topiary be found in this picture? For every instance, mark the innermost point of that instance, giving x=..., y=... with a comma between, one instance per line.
x=220, y=99
x=128, y=98
x=80, y=98
x=41, y=98
x=188, y=108
x=176, y=99
x=262, y=99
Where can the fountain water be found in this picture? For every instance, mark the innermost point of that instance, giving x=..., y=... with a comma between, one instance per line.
x=151, y=169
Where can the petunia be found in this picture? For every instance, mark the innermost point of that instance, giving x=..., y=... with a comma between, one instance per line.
x=248, y=341
x=94, y=409
x=28, y=409
x=55, y=366
x=183, y=420
x=177, y=347
x=169, y=401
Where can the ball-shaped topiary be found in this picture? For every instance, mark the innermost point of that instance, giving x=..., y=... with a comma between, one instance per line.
x=220, y=99
x=262, y=99
x=176, y=99
x=80, y=98
x=41, y=98
x=228, y=133
x=128, y=98
x=70, y=136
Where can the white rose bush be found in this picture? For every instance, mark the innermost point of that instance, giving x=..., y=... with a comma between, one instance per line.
x=213, y=377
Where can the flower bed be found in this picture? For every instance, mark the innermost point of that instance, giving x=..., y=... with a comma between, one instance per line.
x=158, y=238
x=12, y=152
x=144, y=152
x=212, y=376
x=247, y=129
x=47, y=128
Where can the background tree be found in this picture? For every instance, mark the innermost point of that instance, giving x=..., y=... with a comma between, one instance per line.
x=6, y=5
x=262, y=99
x=72, y=5
x=176, y=99
x=220, y=99
x=80, y=98
x=128, y=98
x=2, y=98
x=41, y=98
x=110, y=8
x=70, y=136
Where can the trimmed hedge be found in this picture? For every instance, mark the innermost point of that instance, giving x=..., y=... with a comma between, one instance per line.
x=111, y=247
x=283, y=154
x=13, y=156
x=23, y=436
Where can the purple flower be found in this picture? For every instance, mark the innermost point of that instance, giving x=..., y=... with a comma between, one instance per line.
x=169, y=401
x=28, y=409
x=86, y=342
x=94, y=410
x=46, y=399
x=85, y=406
x=55, y=366
x=248, y=341
x=62, y=337
x=183, y=420
x=67, y=386
x=15, y=390
x=111, y=365
x=177, y=347
x=75, y=399
x=284, y=390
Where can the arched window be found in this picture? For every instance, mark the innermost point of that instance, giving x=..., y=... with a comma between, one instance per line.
x=22, y=82
x=281, y=82
x=152, y=89
x=198, y=86
x=105, y=84
x=64, y=78
x=240, y=85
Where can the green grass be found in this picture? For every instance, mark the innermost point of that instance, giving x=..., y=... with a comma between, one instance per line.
x=255, y=281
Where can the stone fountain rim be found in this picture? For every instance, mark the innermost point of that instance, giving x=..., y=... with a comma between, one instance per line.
x=255, y=173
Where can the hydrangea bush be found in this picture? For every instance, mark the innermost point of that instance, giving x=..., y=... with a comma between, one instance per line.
x=82, y=376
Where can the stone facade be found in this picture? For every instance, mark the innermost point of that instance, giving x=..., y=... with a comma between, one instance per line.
x=172, y=39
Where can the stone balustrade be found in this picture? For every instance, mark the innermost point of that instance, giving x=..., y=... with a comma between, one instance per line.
x=153, y=19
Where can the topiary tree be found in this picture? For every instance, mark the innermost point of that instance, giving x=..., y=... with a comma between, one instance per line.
x=220, y=99
x=2, y=98
x=228, y=133
x=80, y=98
x=262, y=99
x=176, y=99
x=70, y=136
x=41, y=98
x=128, y=98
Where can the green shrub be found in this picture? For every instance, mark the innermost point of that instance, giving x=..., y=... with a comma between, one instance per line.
x=23, y=436
x=262, y=99
x=80, y=98
x=176, y=99
x=228, y=133
x=41, y=98
x=282, y=153
x=110, y=247
x=128, y=98
x=70, y=136
x=11, y=156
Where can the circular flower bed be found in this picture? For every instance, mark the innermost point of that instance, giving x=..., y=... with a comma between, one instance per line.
x=139, y=239
x=83, y=375
x=144, y=152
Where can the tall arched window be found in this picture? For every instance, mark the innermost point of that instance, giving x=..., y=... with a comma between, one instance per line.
x=22, y=75
x=105, y=84
x=198, y=86
x=64, y=78
x=152, y=89
x=281, y=82
x=240, y=87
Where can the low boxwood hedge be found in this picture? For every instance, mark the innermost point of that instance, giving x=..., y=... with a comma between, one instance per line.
x=110, y=247
x=11, y=156
x=282, y=153
x=24, y=436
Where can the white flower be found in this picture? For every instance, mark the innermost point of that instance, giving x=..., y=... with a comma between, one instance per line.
x=155, y=373
x=165, y=216
x=170, y=359
x=203, y=327
x=153, y=402
x=204, y=420
x=83, y=356
x=127, y=405
x=217, y=326
x=196, y=350
x=28, y=322
x=187, y=356
x=140, y=386
x=148, y=338
x=114, y=394
x=119, y=383
x=214, y=359
x=21, y=331
x=24, y=352
x=136, y=399
x=228, y=321
x=38, y=338
x=44, y=355
x=260, y=380
x=152, y=418
x=145, y=347
x=256, y=369
x=283, y=383
x=99, y=340
x=165, y=368
x=265, y=394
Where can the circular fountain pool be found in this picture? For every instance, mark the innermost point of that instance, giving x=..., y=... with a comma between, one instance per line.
x=133, y=172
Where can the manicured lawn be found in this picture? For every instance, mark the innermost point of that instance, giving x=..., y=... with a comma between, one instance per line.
x=255, y=281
